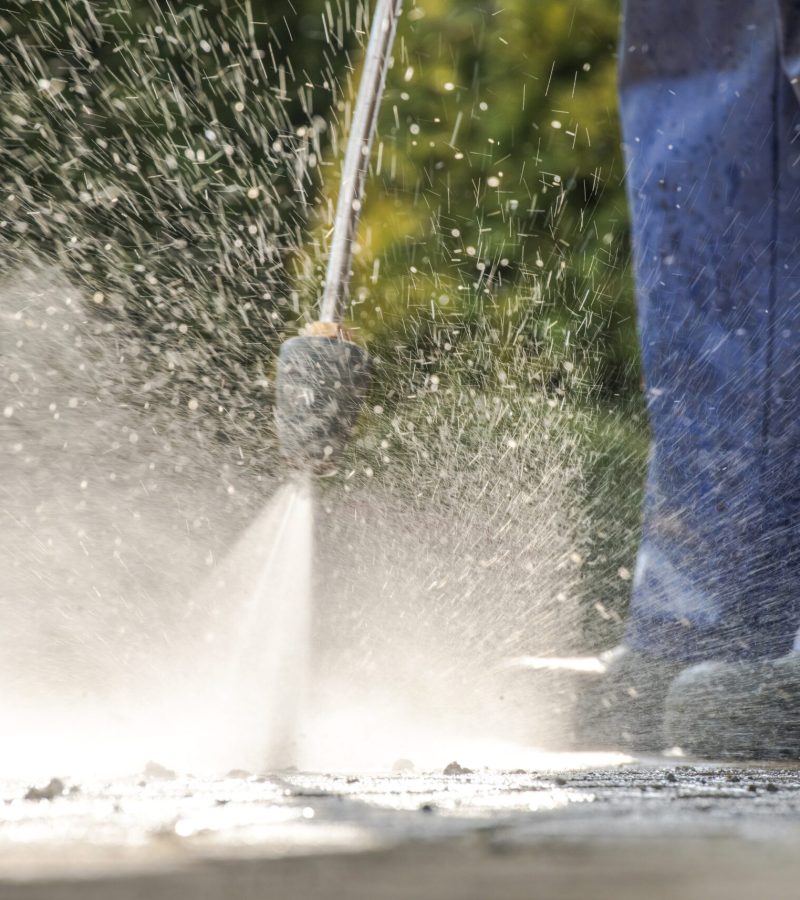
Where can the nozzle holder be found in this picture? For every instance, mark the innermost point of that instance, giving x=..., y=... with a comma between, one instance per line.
x=322, y=382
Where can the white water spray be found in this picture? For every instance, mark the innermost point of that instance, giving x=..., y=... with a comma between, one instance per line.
x=136, y=625
x=228, y=694
x=267, y=580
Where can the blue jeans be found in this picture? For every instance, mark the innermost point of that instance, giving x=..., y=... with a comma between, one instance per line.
x=711, y=127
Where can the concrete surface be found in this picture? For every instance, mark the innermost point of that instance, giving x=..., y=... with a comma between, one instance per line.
x=645, y=829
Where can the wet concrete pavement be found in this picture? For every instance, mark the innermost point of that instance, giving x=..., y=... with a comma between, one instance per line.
x=653, y=828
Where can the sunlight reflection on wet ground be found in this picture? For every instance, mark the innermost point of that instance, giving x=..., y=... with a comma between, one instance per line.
x=149, y=821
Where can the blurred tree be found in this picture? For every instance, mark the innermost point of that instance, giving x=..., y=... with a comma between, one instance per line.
x=500, y=186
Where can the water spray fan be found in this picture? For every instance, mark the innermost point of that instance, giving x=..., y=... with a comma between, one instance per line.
x=323, y=375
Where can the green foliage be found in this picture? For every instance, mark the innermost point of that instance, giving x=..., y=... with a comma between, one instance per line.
x=500, y=188
x=180, y=162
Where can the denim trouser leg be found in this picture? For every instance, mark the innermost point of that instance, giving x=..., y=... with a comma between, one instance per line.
x=712, y=139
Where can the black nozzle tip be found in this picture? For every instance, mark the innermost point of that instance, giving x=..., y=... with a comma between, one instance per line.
x=322, y=383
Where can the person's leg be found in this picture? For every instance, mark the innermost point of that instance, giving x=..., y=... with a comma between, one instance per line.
x=710, y=128
x=712, y=140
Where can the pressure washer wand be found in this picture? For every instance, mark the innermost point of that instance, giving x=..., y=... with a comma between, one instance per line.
x=356, y=161
x=322, y=375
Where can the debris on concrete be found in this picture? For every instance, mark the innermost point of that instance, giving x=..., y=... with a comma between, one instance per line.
x=156, y=770
x=455, y=768
x=54, y=788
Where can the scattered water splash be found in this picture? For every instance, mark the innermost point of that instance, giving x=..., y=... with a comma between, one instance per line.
x=131, y=629
x=228, y=691
x=174, y=172
x=385, y=734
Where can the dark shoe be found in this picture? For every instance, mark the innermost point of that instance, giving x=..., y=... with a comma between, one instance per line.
x=614, y=701
x=625, y=708
x=737, y=710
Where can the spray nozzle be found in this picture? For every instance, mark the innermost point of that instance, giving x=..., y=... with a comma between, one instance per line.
x=322, y=374
x=322, y=381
